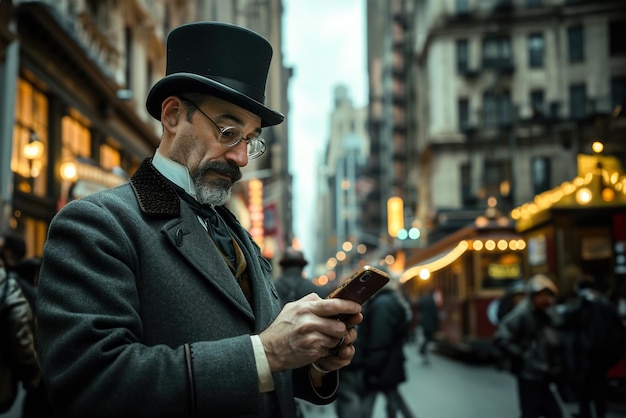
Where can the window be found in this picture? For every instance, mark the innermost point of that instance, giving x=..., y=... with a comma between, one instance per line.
x=109, y=157
x=462, y=56
x=575, y=44
x=31, y=126
x=497, y=52
x=497, y=109
x=497, y=178
x=617, y=37
x=462, y=6
x=467, y=197
x=577, y=101
x=535, y=50
x=128, y=37
x=464, y=120
x=489, y=110
x=618, y=93
x=540, y=174
x=537, y=103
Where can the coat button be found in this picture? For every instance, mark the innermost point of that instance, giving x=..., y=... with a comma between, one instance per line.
x=179, y=237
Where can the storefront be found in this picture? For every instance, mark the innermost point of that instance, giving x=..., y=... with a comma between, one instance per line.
x=579, y=225
x=72, y=132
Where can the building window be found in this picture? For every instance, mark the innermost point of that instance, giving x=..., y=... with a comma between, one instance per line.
x=577, y=101
x=618, y=94
x=462, y=7
x=575, y=44
x=467, y=197
x=462, y=56
x=617, y=37
x=537, y=103
x=128, y=39
x=540, y=174
x=497, y=178
x=535, y=50
x=497, y=52
x=464, y=117
x=109, y=157
x=29, y=159
x=497, y=110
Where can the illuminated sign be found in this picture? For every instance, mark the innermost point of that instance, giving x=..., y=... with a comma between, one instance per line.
x=504, y=271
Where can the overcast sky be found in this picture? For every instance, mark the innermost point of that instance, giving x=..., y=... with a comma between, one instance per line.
x=323, y=41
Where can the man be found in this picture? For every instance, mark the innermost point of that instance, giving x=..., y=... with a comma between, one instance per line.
x=292, y=284
x=428, y=321
x=383, y=334
x=528, y=336
x=153, y=306
x=595, y=341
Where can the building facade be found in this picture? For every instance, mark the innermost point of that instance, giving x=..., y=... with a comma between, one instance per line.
x=75, y=74
x=508, y=94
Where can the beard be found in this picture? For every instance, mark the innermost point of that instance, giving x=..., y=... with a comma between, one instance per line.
x=216, y=191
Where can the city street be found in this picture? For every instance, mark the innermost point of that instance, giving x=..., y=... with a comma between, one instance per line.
x=448, y=388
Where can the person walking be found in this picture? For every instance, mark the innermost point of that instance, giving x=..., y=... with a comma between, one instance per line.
x=428, y=322
x=529, y=337
x=24, y=272
x=382, y=336
x=18, y=358
x=292, y=284
x=153, y=300
x=596, y=341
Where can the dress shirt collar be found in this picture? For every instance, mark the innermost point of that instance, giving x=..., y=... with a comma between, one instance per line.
x=174, y=172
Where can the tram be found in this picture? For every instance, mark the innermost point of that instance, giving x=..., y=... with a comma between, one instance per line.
x=470, y=270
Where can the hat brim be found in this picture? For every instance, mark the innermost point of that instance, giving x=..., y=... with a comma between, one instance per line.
x=179, y=83
x=284, y=263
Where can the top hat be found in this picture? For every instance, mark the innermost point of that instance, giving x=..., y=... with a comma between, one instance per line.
x=220, y=59
x=293, y=257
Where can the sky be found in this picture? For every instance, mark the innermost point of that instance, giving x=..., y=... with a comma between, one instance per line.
x=324, y=43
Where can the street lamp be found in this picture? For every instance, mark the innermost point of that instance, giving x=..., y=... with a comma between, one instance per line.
x=33, y=151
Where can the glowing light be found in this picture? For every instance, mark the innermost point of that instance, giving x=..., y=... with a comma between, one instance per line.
x=583, y=196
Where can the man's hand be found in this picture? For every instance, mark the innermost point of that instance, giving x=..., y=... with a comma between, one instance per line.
x=305, y=332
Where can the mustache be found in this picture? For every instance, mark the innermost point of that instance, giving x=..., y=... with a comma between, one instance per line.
x=225, y=168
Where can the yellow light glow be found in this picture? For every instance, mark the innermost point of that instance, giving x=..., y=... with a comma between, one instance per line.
x=33, y=150
x=597, y=147
x=477, y=245
x=490, y=245
x=69, y=171
x=502, y=244
x=424, y=274
x=583, y=196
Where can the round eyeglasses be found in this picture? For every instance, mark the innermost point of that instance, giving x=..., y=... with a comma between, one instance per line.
x=230, y=136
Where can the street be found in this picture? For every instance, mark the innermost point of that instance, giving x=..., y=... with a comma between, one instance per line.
x=445, y=388
x=448, y=388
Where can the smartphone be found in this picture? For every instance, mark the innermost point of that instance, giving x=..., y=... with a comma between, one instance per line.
x=360, y=287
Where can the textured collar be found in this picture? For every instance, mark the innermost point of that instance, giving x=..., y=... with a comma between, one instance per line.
x=154, y=193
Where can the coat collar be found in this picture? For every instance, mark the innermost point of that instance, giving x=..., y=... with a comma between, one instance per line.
x=156, y=197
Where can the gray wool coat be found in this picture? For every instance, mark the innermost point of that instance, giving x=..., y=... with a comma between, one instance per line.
x=139, y=315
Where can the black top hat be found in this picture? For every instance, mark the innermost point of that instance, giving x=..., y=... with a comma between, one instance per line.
x=293, y=257
x=224, y=60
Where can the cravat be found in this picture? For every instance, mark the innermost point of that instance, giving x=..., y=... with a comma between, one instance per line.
x=217, y=228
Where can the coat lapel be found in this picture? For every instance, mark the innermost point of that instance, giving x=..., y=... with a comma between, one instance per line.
x=158, y=199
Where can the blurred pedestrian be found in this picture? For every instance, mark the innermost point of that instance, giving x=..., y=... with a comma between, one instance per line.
x=18, y=358
x=153, y=299
x=529, y=337
x=292, y=283
x=596, y=341
x=24, y=271
x=387, y=318
x=428, y=322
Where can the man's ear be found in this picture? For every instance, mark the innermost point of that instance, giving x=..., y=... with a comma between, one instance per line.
x=170, y=112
